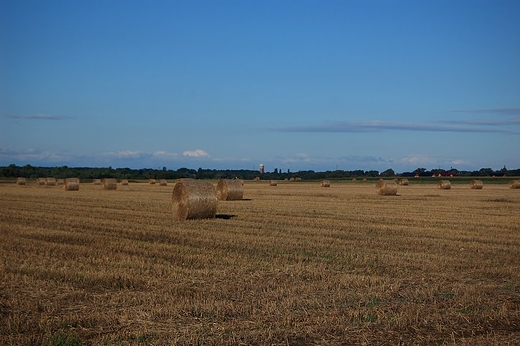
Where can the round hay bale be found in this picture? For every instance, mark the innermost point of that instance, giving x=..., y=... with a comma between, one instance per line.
x=194, y=200
x=163, y=182
x=71, y=184
x=273, y=183
x=230, y=190
x=256, y=178
x=514, y=184
x=444, y=184
x=59, y=182
x=40, y=181
x=109, y=184
x=404, y=182
x=96, y=181
x=386, y=187
x=21, y=181
x=50, y=181
x=124, y=182
x=151, y=181
x=476, y=184
x=325, y=183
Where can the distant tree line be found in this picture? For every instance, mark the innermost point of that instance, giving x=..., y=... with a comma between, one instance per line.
x=88, y=173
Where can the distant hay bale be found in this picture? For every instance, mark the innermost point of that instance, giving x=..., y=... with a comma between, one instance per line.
x=325, y=183
x=151, y=181
x=386, y=187
x=59, y=182
x=273, y=183
x=124, y=182
x=96, y=181
x=40, y=181
x=404, y=182
x=256, y=178
x=21, y=181
x=163, y=182
x=194, y=200
x=230, y=190
x=50, y=181
x=71, y=184
x=514, y=184
x=476, y=184
x=354, y=180
x=444, y=185
x=365, y=179
x=109, y=184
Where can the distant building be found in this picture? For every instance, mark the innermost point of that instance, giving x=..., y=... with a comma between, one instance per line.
x=261, y=168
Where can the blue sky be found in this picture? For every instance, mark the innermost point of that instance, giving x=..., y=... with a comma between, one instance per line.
x=294, y=85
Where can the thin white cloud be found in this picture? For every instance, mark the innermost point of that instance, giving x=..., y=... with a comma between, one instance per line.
x=506, y=111
x=379, y=126
x=164, y=155
x=32, y=155
x=196, y=153
x=126, y=154
x=419, y=159
x=41, y=117
x=486, y=122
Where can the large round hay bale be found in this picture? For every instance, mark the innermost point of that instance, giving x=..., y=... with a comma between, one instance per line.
x=230, y=190
x=151, y=181
x=386, y=187
x=404, y=182
x=124, y=182
x=71, y=184
x=273, y=183
x=476, y=184
x=96, y=181
x=514, y=184
x=21, y=181
x=50, y=181
x=444, y=184
x=194, y=200
x=163, y=182
x=40, y=181
x=109, y=184
x=325, y=183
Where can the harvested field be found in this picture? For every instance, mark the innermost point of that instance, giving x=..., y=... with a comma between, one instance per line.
x=295, y=265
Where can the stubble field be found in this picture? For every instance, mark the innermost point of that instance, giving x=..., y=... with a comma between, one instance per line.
x=295, y=264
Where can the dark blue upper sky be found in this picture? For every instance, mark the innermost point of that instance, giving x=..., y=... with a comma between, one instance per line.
x=231, y=84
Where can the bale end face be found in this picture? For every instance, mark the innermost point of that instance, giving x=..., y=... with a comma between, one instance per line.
x=325, y=183
x=71, y=184
x=476, y=184
x=444, y=185
x=194, y=200
x=230, y=190
x=386, y=188
x=514, y=184
x=109, y=184
x=21, y=181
